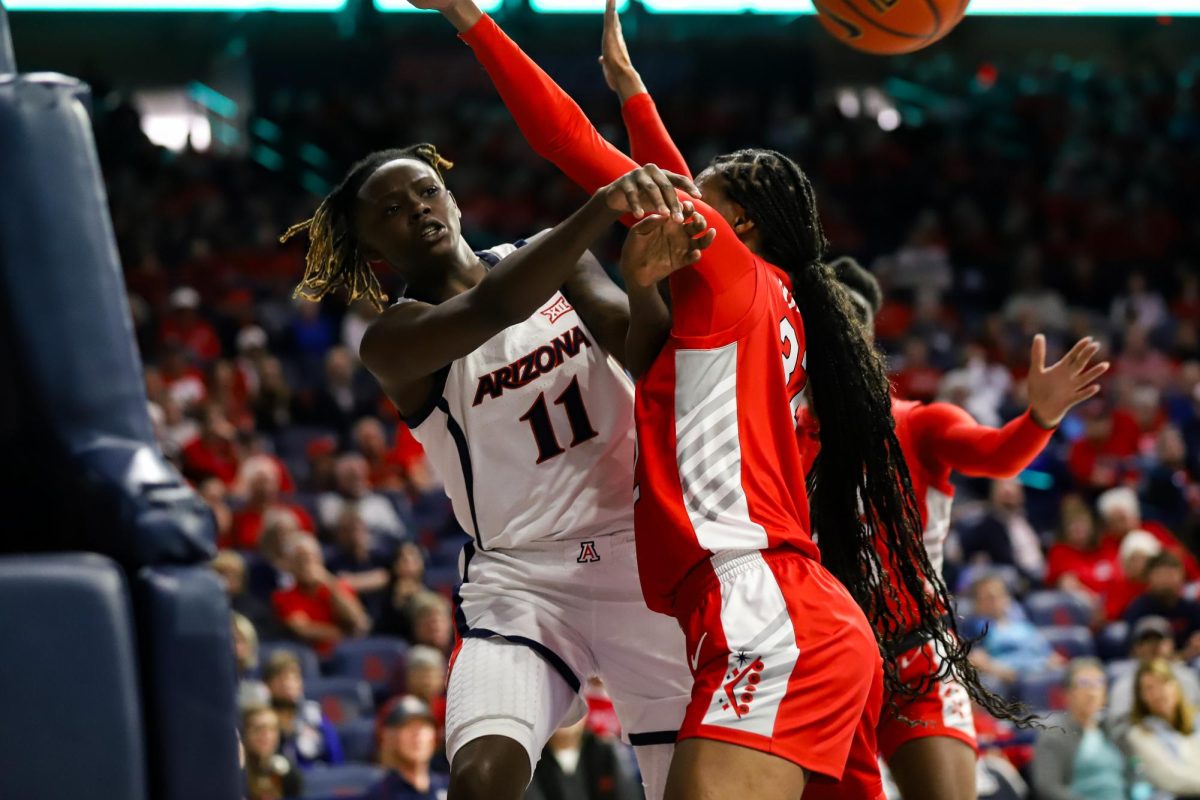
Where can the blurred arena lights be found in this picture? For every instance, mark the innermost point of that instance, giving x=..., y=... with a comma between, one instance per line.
x=1149, y=8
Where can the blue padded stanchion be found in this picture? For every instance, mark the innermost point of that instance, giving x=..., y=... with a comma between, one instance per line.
x=69, y=681
x=77, y=374
x=189, y=684
x=8, y=60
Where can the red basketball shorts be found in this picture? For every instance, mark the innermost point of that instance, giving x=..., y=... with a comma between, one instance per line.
x=944, y=710
x=784, y=662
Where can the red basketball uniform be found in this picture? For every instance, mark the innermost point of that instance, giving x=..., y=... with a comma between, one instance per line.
x=720, y=495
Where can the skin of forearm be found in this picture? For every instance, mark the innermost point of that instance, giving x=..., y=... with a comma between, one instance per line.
x=649, y=327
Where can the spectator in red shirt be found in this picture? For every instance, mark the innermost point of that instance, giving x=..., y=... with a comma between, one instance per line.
x=185, y=327
x=261, y=478
x=319, y=609
x=1133, y=557
x=384, y=473
x=918, y=380
x=1120, y=513
x=1079, y=561
x=183, y=382
x=1101, y=458
x=212, y=454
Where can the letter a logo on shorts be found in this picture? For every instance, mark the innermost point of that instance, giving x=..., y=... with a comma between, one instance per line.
x=587, y=553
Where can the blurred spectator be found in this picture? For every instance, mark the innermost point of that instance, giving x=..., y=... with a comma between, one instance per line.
x=269, y=775
x=307, y=734
x=1011, y=645
x=251, y=691
x=1164, y=598
x=319, y=609
x=321, y=455
x=231, y=567
x=261, y=477
x=1171, y=489
x=1033, y=305
x=1100, y=458
x=1139, y=305
x=917, y=379
x=407, y=582
x=1075, y=759
x=311, y=332
x=270, y=571
x=425, y=679
x=431, y=621
x=1120, y=513
x=576, y=764
x=1003, y=534
x=1151, y=639
x=1141, y=362
x=407, y=743
x=212, y=454
x=384, y=473
x=345, y=395
x=273, y=400
x=214, y=492
x=359, y=316
x=1133, y=562
x=1163, y=736
x=985, y=386
x=354, y=491
x=186, y=329
x=354, y=561
x=1080, y=561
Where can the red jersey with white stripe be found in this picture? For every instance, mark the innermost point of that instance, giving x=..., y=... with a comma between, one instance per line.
x=719, y=468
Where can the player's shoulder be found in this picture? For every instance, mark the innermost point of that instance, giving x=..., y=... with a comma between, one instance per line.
x=497, y=253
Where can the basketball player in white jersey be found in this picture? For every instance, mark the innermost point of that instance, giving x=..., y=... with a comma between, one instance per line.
x=516, y=390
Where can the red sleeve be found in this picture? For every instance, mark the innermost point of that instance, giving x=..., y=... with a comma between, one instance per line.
x=649, y=142
x=707, y=298
x=946, y=435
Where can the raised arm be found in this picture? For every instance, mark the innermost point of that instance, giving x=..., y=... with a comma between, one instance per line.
x=649, y=142
x=947, y=435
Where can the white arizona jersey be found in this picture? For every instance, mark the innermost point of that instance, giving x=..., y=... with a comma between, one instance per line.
x=532, y=433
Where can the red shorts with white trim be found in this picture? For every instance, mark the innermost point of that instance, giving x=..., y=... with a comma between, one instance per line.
x=945, y=710
x=784, y=662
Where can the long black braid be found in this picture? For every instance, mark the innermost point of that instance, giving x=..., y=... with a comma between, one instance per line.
x=860, y=455
x=334, y=261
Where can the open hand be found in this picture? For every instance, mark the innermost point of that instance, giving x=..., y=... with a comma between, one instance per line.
x=658, y=246
x=649, y=190
x=432, y=5
x=619, y=73
x=1056, y=390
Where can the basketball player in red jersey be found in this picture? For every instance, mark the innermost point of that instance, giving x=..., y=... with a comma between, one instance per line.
x=936, y=758
x=722, y=532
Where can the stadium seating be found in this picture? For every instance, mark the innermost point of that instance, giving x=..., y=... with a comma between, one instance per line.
x=1042, y=691
x=345, y=782
x=342, y=699
x=358, y=739
x=1070, y=641
x=374, y=660
x=310, y=666
x=1057, y=608
x=72, y=695
x=1112, y=641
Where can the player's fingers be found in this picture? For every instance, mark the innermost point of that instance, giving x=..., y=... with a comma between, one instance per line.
x=683, y=182
x=1073, y=354
x=1092, y=374
x=1085, y=394
x=668, y=191
x=652, y=193
x=695, y=226
x=1037, y=355
x=692, y=257
x=1085, y=356
x=632, y=197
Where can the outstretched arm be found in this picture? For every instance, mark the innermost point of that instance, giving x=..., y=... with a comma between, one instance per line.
x=413, y=340
x=947, y=435
x=649, y=142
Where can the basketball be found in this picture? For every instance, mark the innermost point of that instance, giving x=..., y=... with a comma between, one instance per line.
x=889, y=27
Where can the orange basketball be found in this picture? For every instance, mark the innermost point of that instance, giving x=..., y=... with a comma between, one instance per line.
x=886, y=27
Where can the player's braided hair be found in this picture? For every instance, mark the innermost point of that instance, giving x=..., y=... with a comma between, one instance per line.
x=860, y=454
x=334, y=261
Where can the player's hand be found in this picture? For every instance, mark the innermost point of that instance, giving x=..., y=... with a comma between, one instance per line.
x=658, y=246
x=649, y=190
x=1056, y=390
x=432, y=5
x=462, y=14
x=619, y=73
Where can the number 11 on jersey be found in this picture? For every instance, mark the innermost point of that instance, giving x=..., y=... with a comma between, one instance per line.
x=538, y=417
